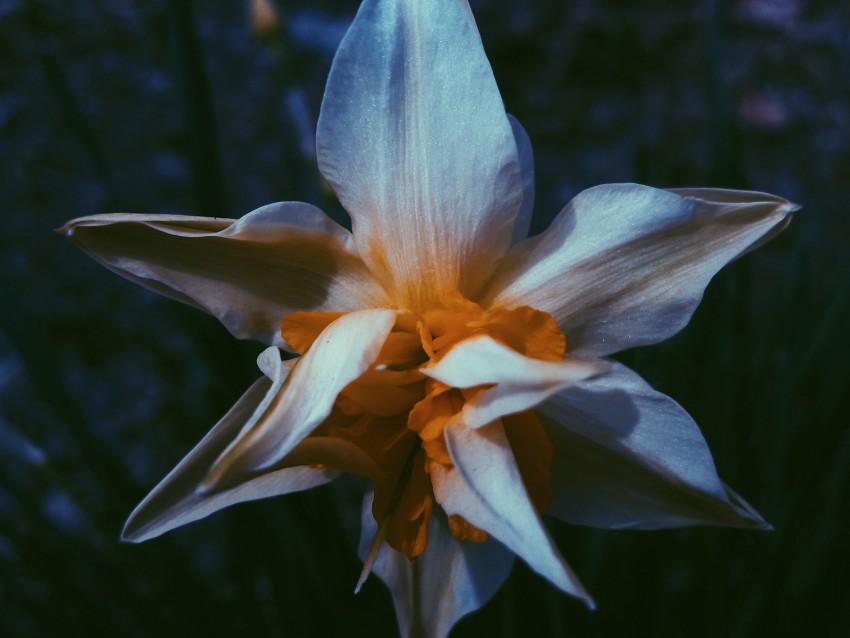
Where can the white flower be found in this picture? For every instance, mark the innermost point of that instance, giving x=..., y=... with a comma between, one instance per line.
x=454, y=362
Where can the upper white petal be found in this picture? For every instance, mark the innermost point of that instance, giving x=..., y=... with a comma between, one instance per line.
x=248, y=273
x=625, y=265
x=415, y=141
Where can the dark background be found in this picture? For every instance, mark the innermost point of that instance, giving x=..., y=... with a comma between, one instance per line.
x=173, y=107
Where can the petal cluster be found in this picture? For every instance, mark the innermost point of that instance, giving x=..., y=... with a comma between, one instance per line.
x=443, y=355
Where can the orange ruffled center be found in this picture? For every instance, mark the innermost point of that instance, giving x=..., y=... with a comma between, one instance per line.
x=397, y=415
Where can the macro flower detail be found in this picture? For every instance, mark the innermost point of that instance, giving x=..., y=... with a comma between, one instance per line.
x=457, y=364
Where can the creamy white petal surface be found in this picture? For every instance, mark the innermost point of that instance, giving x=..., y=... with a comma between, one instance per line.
x=174, y=502
x=341, y=353
x=520, y=382
x=485, y=487
x=248, y=273
x=451, y=579
x=629, y=456
x=625, y=265
x=415, y=141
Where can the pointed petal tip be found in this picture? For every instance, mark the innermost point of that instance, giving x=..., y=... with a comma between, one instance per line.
x=575, y=589
x=579, y=591
x=747, y=516
x=735, y=196
x=747, y=524
x=755, y=522
x=66, y=229
x=745, y=519
x=791, y=207
x=360, y=582
x=132, y=533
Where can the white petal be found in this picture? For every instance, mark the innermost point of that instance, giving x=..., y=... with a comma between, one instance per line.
x=627, y=456
x=248, y=273
x=485, y=487
x=625, y=265
x=340, y=354
x=526, y=162
x=520, y=382
x=415, y=141
x=452, y=578
x=174, y=502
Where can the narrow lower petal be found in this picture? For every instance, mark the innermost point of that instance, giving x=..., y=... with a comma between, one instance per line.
x=625, y=265
x=415, y=141
x=342, y=352
x=627, y=456
x=520, y=382
x=248, y=273
x=175, y=502
x=526, y=163
x=451, y=579
x=486, y=489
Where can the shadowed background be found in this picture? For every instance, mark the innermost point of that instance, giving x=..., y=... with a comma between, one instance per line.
x=187, y=107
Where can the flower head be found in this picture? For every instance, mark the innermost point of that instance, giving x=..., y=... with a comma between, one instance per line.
x=443, y=355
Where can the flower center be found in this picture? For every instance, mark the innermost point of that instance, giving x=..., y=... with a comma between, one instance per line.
x=397, y=415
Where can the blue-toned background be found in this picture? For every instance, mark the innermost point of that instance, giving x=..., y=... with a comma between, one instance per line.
x=164, y=106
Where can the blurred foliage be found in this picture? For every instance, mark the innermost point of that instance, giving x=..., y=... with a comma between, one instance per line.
x=179, y=107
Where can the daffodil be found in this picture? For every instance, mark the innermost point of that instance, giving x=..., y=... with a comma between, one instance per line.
x=459, y=365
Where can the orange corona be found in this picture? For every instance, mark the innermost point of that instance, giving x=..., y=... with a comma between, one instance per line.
x=396, y=414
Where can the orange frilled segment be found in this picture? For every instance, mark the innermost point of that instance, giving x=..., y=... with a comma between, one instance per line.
x=398, y=416
x=404, y=500
x=429, y=417
x=524, y=329
x=431, y=332
x=531, y=332
x=403, y=495
x=402, y=349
